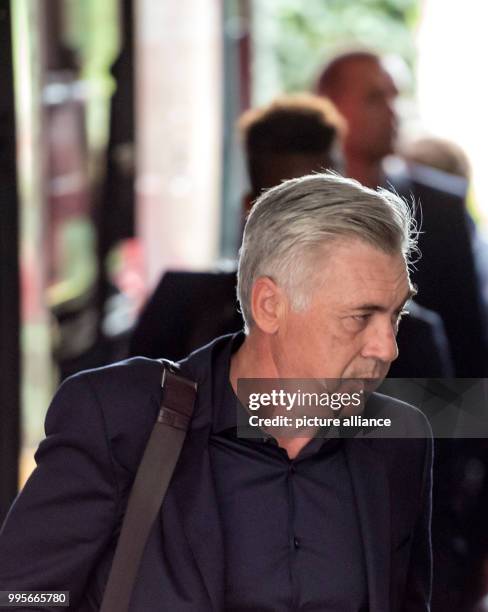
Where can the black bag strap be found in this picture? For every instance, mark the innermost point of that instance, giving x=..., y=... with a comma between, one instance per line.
x=150, y=485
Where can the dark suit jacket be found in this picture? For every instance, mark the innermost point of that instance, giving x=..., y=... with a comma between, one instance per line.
x=60, y=533
x=189, y=309
x=446, y=274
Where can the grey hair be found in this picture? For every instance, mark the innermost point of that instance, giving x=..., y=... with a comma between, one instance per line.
x=290, y=222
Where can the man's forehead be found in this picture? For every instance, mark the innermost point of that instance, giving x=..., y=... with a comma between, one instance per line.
x=364, y=73
x=376, y=294
x=359, y=66
x=355, y=269
x=379, y=284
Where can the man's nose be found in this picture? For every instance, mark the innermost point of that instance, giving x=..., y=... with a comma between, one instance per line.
x=380, y=342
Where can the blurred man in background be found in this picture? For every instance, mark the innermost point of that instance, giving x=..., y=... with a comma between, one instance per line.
x=365, y=93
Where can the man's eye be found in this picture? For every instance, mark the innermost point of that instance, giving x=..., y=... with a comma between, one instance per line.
x=361, y=317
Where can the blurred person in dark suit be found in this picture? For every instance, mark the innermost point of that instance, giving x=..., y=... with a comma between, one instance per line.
x=447, y=156
x=470, y=459
x=293, y=136
x=365, y=94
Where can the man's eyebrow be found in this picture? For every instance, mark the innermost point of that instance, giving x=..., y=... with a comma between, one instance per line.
x=377, y=308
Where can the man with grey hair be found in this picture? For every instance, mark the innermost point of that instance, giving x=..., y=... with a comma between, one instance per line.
x=299, y=522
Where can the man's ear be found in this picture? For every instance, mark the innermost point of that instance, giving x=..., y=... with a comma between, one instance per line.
x=268, y=303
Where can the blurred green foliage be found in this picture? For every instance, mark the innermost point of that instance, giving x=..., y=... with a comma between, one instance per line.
x=91, y=29
x=303, y=34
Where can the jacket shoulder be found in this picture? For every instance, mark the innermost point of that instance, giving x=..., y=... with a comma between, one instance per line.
x=127, y=395
x=407, y=420
x=137, y=374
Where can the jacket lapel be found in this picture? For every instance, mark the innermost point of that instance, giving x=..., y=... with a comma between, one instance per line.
x=371, y=490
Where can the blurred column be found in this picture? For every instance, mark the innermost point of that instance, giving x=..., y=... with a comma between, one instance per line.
x=37, y=365
x=178, y=138
x=9, y=271
x=237, y=94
